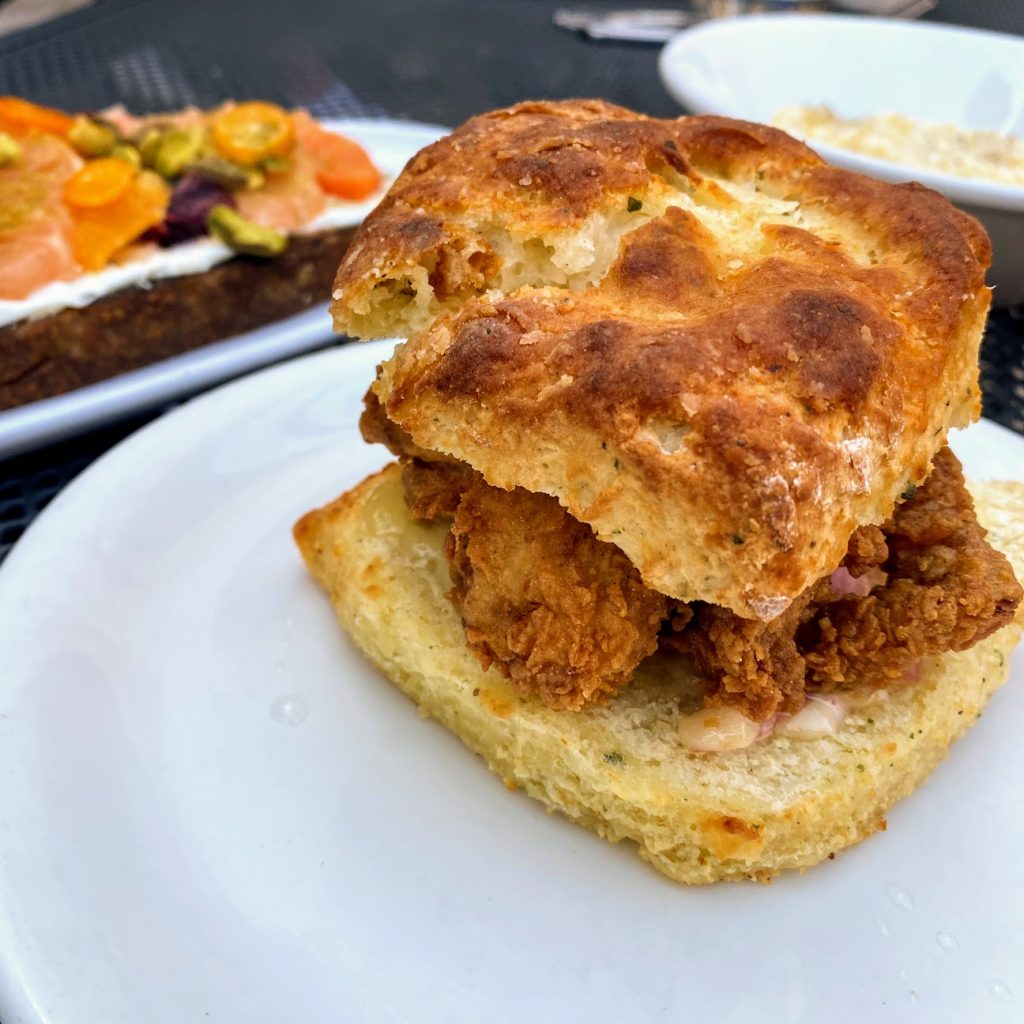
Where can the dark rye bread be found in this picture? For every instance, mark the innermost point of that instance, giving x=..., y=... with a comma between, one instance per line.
x=138, y=326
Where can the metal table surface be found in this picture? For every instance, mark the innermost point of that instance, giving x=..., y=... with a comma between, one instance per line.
x=430, y=60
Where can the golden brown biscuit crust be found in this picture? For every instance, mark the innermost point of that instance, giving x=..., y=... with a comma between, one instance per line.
x=772, y=350
x=536, y=168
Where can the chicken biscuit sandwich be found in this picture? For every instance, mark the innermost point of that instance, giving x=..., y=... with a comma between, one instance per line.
x=674, y=539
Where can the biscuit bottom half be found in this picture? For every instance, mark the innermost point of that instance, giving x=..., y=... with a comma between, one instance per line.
x=620, y=769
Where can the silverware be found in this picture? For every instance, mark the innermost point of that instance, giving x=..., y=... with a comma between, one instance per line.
x=646, y=25
x=916, y=9
x=637, y=26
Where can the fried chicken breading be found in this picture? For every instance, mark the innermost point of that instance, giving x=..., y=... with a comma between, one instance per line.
x=563, y=615
x=566, y=616
x=753, y=665
x=945, y=588
x=433, y=490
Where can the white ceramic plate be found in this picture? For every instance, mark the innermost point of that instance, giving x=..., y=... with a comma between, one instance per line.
x=214, y=810
x=754, y=66
x=390, y=144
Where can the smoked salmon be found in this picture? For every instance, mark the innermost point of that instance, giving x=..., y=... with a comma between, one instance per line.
x=80, y=190
x=35, y=227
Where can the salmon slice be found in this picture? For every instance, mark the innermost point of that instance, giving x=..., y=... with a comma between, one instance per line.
x=129, y=124
x=287, y=201
x=35, y=229
x=343, y=168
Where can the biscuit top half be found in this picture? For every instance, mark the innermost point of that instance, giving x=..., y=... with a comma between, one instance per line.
x=721, y=353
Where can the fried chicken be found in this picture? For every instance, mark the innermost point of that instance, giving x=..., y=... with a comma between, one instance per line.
x=562, y=614
x=947, y=589
x=433, y=490
x=567, y=617
x=753, y=665
x=944, y=588
x=433, y=482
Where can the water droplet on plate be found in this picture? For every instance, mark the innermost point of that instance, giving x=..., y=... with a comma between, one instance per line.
x=883, y=928
x=900, y=898
x=290, y=709
x=947, y=942
x=1000, y=990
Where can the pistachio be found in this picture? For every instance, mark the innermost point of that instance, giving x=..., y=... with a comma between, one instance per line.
x=148, y=144
x=254, y=177
x=91, y=137
x=178, y=149
x=276, y=164
x=243, y=235
x=217, y=169
x=9, y=149
x=128, y=153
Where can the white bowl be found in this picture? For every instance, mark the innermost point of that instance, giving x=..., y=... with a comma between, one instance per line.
x=753, y=66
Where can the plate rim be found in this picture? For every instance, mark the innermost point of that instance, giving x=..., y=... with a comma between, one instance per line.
x=977, y=192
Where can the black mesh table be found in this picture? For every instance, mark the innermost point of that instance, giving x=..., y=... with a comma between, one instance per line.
x=430, y=60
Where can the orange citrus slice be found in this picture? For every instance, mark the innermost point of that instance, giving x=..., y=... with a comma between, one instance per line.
x=99, y=182
x=250, y=132
x=98, y=232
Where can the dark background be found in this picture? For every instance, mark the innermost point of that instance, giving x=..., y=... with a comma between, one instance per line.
x=430, y=60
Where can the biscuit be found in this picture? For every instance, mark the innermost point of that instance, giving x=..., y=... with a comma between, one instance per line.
x=716, y=350
x=620, y=770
